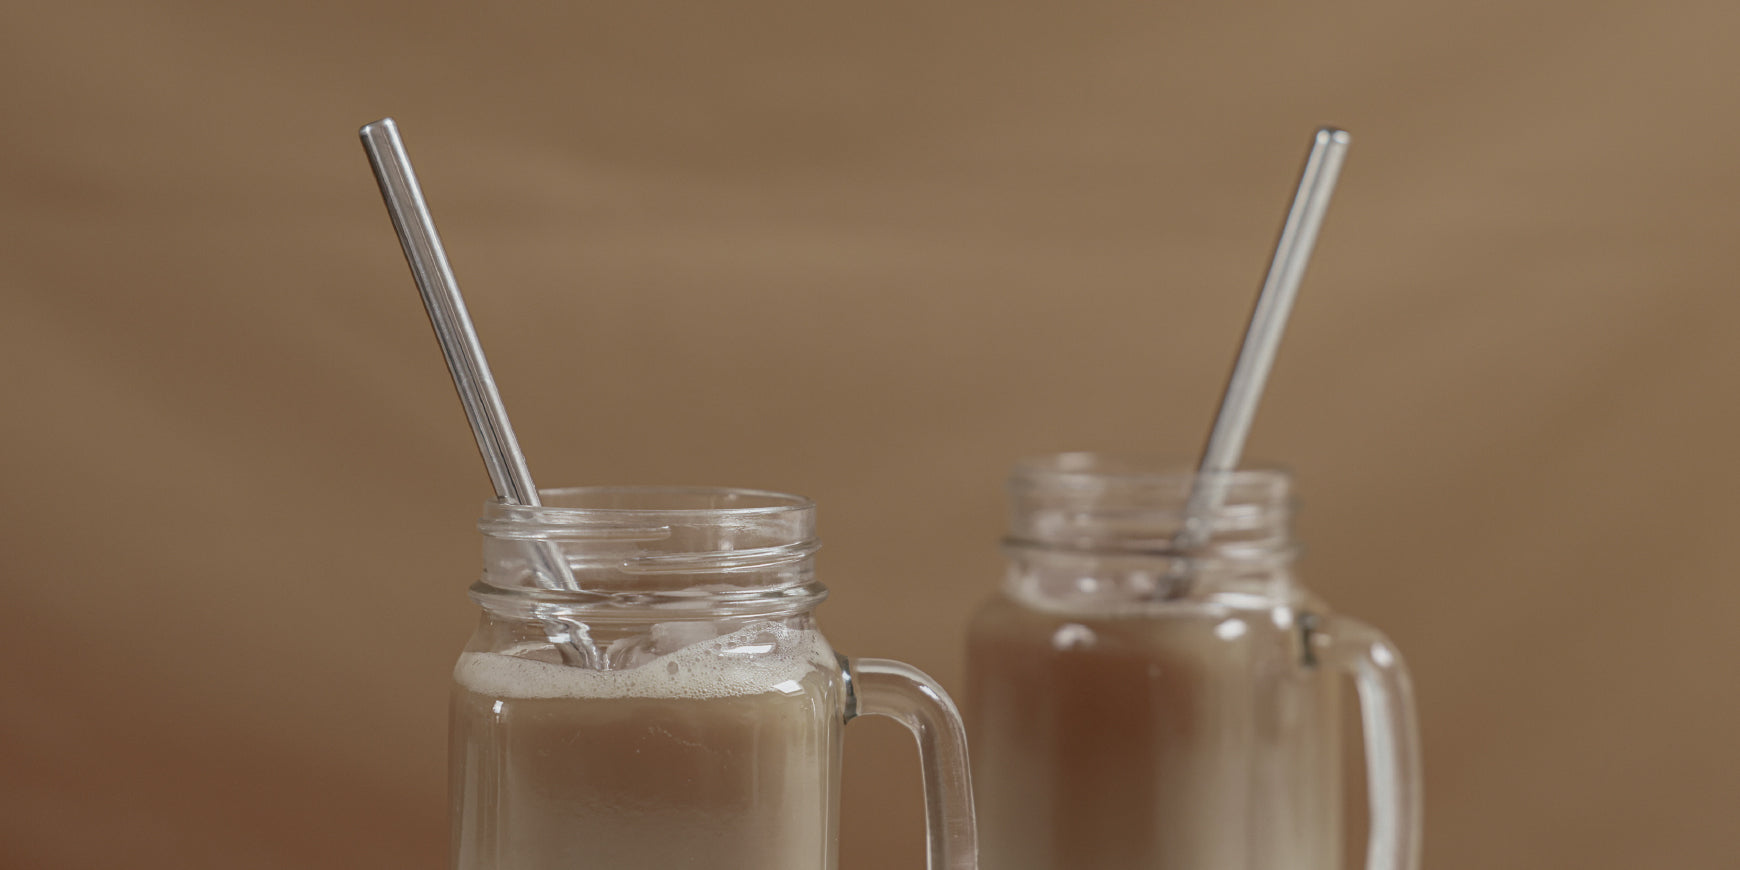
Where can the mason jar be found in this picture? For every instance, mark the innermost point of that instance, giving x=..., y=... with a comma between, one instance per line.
x=673, y=704
x=1136, y=707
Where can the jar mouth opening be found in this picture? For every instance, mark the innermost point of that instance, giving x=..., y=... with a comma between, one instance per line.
x=1160, y=471
x=750, y=517
x=690, y=502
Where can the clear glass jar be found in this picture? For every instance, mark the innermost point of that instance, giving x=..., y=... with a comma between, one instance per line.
x=679, y=708
x=1136, y=708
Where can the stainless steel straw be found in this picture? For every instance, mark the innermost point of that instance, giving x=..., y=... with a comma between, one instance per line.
x=502, y=456
x=1244, y=389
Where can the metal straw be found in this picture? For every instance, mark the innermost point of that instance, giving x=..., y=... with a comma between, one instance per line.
x=1244, y=389
x=502, y=456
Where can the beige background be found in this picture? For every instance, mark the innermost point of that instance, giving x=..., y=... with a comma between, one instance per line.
x=872, y=253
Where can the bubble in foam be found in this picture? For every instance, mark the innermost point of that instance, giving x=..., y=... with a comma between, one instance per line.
x=749, y=661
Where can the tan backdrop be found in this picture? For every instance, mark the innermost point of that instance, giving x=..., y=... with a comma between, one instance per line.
x=873, y=254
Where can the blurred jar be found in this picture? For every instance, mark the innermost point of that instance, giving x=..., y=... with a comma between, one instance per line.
x=678, y=707
x=1131, y=707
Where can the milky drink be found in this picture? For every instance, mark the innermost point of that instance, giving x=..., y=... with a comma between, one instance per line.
x=1107, y=743
x=723, y=754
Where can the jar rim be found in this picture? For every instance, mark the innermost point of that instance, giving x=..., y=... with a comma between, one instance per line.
x=641, y=501
x=1132, y=504
x=1154, y=468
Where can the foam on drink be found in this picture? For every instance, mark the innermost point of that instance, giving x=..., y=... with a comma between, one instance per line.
x=760, y=657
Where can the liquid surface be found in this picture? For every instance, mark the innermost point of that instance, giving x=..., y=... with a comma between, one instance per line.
x=722, y=755
x=1194, y=742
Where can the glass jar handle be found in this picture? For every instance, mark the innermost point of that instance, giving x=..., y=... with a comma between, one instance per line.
x=1392, y=739
x=881, y=687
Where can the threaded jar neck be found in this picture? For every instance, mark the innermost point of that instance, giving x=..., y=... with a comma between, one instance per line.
x=1092, y=528
x=712, y=551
